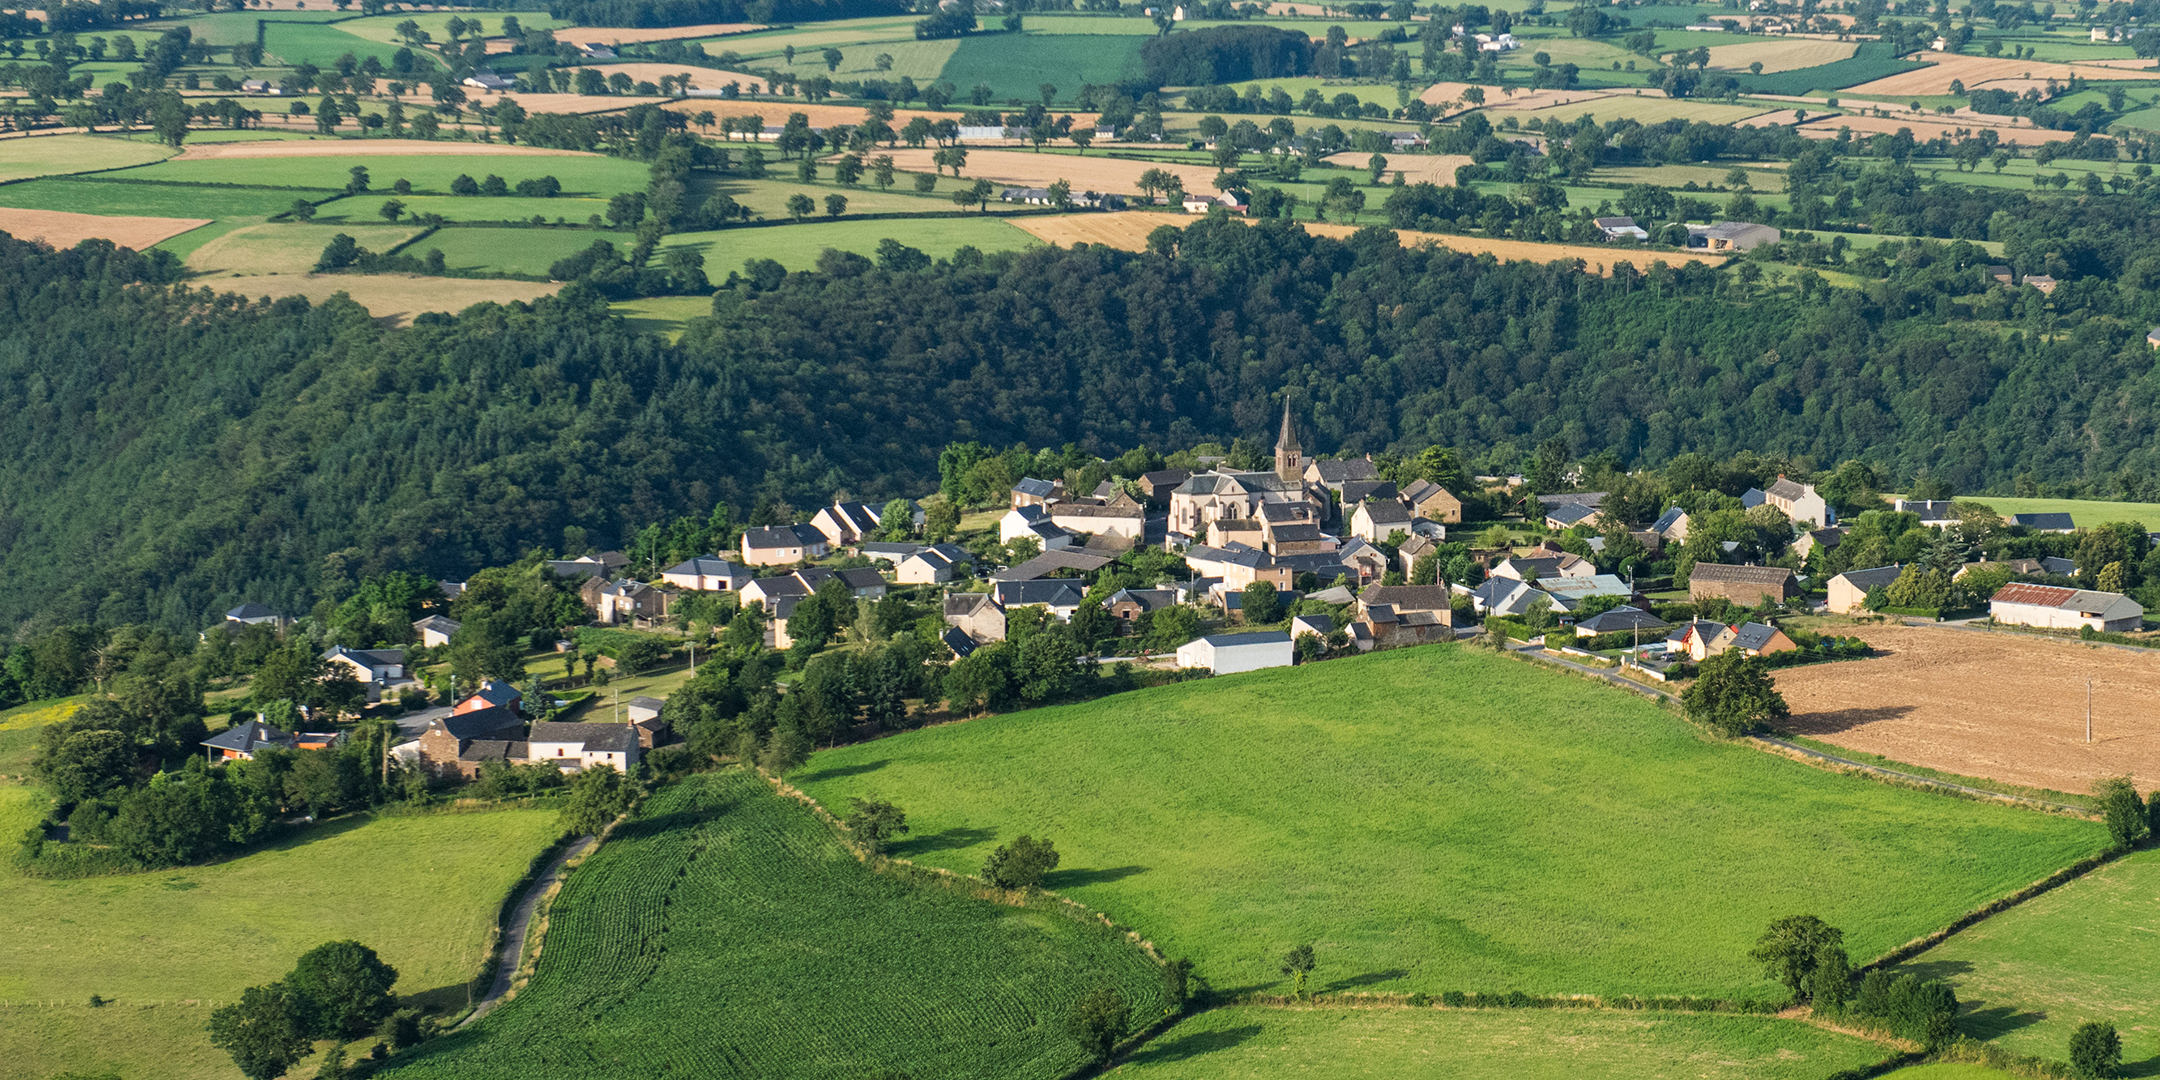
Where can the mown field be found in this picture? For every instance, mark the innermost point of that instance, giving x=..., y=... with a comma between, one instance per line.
x=165, y=948
x=1441, y=818
x=582, y=175
x=1497, y=1044
x=2084, y=512
x=322, y=44
x=2028, y=977
x=727, y=932
x=797, y=247
x=54, y=155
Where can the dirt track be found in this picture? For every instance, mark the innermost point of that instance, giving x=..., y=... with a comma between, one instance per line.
x=1999, y=706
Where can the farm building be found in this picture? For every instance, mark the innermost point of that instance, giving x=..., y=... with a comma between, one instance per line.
x=435, y=631
x=1620, y=228
x=1933, y=512
x=2049, y=523
x=2054, y=607
x=1849, y=590
x=1393, y=616
x=1625, y=619
x=1743, y=585
x=1228, y=654
x=1731, y=236
x=1433, y=502
x=583, y=746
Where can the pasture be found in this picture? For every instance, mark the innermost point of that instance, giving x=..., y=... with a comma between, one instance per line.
x=1086, y=172
x=57, y=155
x=514, y=251
x=797, y=247
x=2003, y=707
x=2028, y=977
x=328, y=166
x=383, y=28
x=2084, y=512
x=286, y=248
x=321, y=44
x=726, y=900
x=1441, y=818
x=1016, y=67
x=367, y=209
x=1645, y=109
x=1490, y=1044
x=164, y=948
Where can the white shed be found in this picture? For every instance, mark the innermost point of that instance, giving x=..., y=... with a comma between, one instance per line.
x=1228, y=654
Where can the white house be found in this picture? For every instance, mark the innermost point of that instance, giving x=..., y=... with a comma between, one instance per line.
x=2055, y=607
x=1228, y=654
x=581, y=746
x=435, y=630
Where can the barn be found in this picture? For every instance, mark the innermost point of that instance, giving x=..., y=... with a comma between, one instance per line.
x=2054, y=607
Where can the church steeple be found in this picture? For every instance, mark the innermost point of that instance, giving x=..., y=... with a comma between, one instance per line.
x=1289, y=458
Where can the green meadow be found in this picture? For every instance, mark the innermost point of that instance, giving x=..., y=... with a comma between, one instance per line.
x=1497, y=1044
x=1441, y=818
x=1017, y=66
x=2084, y=512
x=322, y=44
x=56, y=155
x=514, y=251
x=89, y=195
x=367, y=209
x=581, y=174
x=797, y=247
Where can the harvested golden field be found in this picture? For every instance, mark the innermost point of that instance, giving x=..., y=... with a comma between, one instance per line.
x=775, y=110
x=1779, y=55
x=1130, y=229
x=610, y=35
x=1827, y=128
x=1779, y=118
x=62, y=229
x=285, y=148
x=1544, y=99
x=2002, y=706
x=394, y=298
x=1946, y=68
x=1413, y=168
x=1085, y=172
x=700, y=78
x=1442, y=93
x=567, y=103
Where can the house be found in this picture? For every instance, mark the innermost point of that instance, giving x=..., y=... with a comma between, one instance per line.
x=978, y=615
x=644, y=715
x=1746, y=586
x=1061, y=596
x=1813, y=540
x=958, y=642
x=2047, y=523
x=1799, y=502
x=862, y=582
x=1297, y=538
x=933, y=565
x=1731, y=236
x=376, y=669
x=595, y=51
x=488, y=80
x=1127, y=605
x=2054, y=607
x=2042, y=282
x=707, y=573
x=256, y=86
x=1032, y=522
x=1394, y=616
x=1625, y=619
x=1433, y=502
x=1333, y=474
x=1155, y=487
x=1568, y=593
x=582, y=566
x=435, y=631
x=1696, y=639
x=2001, y=275
x=643, y=708
x=1752, y=498
x=1053, y=562
x=780, y=545
x=1122, y=517
x=2057, y=566
x=1237, y=566
x=494, y=693
x=578, y=746
x=1671, y=526
x=1362, y=561
x=444, y=745
x=1413, y=546
x=625, y=600
x=252, y=615
x=1569, y=515
x=1319, y=626
x=846, y=523
x=242, y=741
x=1357, y=491
x=1849, y=590
x=767, y=592
x=1228, y=654
x=2152, y=337
x=1032, y=492
x=1758, y=639
x=1203, y=498
x=1551, y=564
x=1940, y=513
x=1375, y=521
x=1620, y=228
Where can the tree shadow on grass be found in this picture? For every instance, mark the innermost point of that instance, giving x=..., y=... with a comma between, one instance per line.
x=946, y=840
x=1946, y=970
x=1191, y=1046
x=1370, y=978
x=838, y=771
x=1984, y=1021
x=2148, y=1067
x=1832, y=721
x=1067, y=879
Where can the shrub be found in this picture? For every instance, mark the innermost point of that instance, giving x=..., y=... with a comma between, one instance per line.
x=1098, y=1021
x=1020, y=864
x=2095, y=1049
x=2117, y=800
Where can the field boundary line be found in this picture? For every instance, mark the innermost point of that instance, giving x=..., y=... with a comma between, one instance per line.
x=508, y=948
x=1980, y=914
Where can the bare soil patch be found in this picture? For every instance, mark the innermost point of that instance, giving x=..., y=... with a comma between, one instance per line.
x=284, y=148
x=63, y=230
x=1085, y=172
x=1413, y=168
x=2000, y=706
x=1946, y=68
x=609, y=35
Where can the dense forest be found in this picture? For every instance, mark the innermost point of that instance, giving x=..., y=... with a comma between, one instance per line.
x=178, y=453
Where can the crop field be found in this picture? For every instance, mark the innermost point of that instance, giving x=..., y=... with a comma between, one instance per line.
x=63, y=230
x=1827, y=128
x=1440, y=818
x=612, y=35
x=514, y=251
x=839, y=33
x=725, y=900
x=322, y=44
x=1939, y=70
x=94, y=195
x=165, y=948
x=57, y=155
x=286, y=248
x=581, y=174
x=1646, y=109
x=392, y=298
x=1413, y=168
x=1678, y=176
x=768, y=198
x=2001, y=706
x=797, y=247
x=2028, y=977
x=1872, y=60
x=1497, y=1044
x=1776, y=56
x=1015, y=67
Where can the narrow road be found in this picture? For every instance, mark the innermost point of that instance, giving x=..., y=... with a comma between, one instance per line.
x=513, y=942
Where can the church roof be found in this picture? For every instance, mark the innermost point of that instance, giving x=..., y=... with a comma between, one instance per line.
x=1288, y=439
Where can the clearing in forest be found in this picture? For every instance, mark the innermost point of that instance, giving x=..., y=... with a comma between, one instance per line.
x=727, y=932
x=1441, y=818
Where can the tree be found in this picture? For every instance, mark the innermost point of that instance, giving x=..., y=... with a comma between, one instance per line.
x=1261, y=603
x=392, y=209
x=262, y=1031
x=1733, y=695
x=88, y=764
x=832, y=59
x=1098, y=1022
x=2095, y=1049
x=1829, y=981
x=1298, y=964
x=2117, y=800
x=875, y=823
x=1020, y=864
x=1791, y=947
x=598, y=796
x=800, y=206
x=835, y=205
x=302, y=210
x=342, y=989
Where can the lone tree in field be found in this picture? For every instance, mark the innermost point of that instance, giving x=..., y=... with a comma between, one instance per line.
x=1298, y=964
x=1020, y=864
x=1790, y=949
x=262, y=1031
x=1734, y=695
x=2095, y=1049
x=1098, y=1022
x=2117, y=800
x=342, y=989
x=875, y=823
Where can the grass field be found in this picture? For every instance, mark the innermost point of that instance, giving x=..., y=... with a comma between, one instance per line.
x=57, y=155
x=728, y=933
x=581, y=174
x=1016, y=67
x=2028, y=977
x=797, y=247
x=655, y=314
x=383, y=28
x=2083, y=512
x=1646, y=109
x=1497, y=1044
x=90, y=195
x=1440, y=818
x=286, y=248
x=367, y=209
x=167, y=947
x=514, y=251
x=1947, y=1070
x=322, y=44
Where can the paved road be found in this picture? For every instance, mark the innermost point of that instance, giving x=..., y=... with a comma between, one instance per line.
x=513, y=943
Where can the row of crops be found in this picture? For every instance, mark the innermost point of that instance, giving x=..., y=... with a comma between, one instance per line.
x=1872, y=60
x=727, y=933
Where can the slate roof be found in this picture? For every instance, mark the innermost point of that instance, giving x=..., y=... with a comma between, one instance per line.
x=1385, y=511
x=708, y=566
x=248, y=736
x=958, y=641
x=1256, y=637
x=2043, y=521
x=783, y=536
x=1787, y=490
x=859, y=578
x=437, y=623
x=1052, y=592
x=502, y=750
x=1570, y=513
x=1929, y=509
x=594, y=737
x=1040, y=489
x=1407, y=597
x=1874, y=577
x=1752, y=637
x=497, y=692
x=962, y=604
x=1302, y=532
x=1752, y=498
x=1050, y=562
x=478, y=722
x=250, y=611
x=1667, y=520
x=1702, y=627
x=1622, y=619
x=1148, y=599
x=1592, y=499
x=2056, y=564
x=1345, y=470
